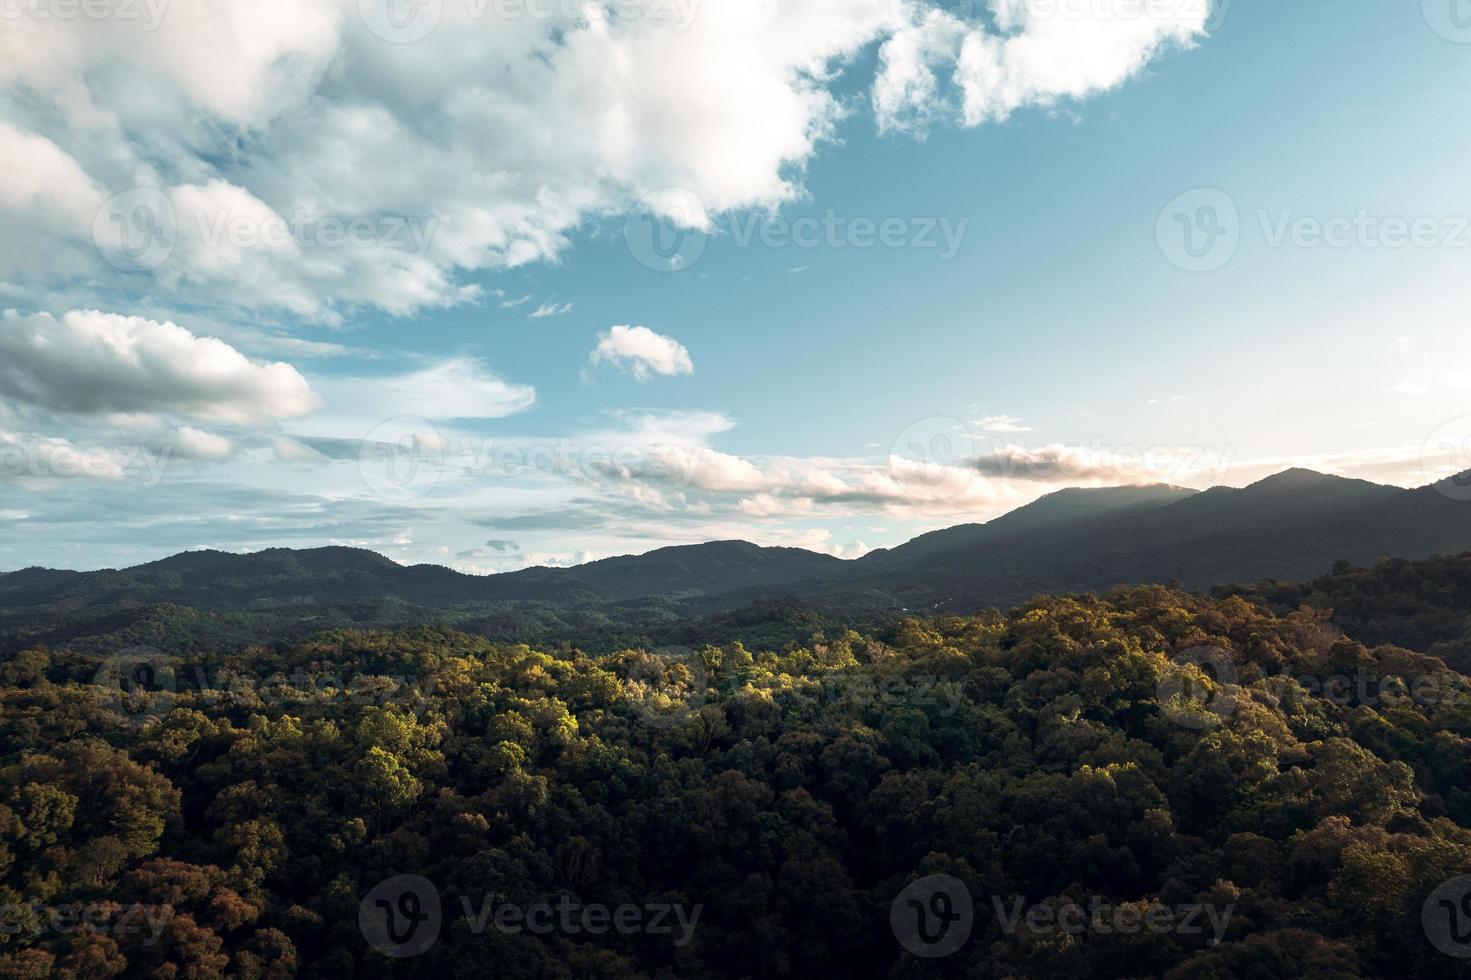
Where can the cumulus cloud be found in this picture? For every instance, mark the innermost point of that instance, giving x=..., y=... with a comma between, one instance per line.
x=1030, y=54
x=506, y=133
x=907, y=94
x=395, y=170
x=93, y=363
x=696, y=467
x=641, y=352
x=40, y=178
x=567, y=561
x=187, y=442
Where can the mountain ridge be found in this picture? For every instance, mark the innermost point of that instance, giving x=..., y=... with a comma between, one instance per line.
x=1291, y=525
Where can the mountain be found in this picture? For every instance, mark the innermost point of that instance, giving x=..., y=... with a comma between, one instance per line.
x=702, y=569
x=1073, y=508
x=1065, y=510
x=1291, y=526
x=215, y=579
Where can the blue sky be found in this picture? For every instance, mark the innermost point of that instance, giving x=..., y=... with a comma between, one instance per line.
x=1031, y=327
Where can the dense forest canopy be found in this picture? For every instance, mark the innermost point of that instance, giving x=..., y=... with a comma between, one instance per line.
x=1149, y=783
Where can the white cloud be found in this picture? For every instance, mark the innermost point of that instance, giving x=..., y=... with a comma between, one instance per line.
x=563, y=561
x=1003, y=424
x=94, y=363
x=721, y=472
x=456, y=388
x=197, y=445
x=767, y=505
x=508, y=133
x=682, y=428
x=1037, y=55
x=551, y=309
x=41, y=177
x=641, y=352
x=907, y=95
x=36, y=460
x=244, y=253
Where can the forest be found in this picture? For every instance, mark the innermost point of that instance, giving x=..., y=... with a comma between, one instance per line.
x=1144, y=783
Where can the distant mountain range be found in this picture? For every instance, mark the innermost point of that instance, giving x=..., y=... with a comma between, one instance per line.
x=1294, y=525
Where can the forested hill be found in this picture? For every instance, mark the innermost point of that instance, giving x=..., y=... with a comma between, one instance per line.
x=1421, y=605
x=1151, y=784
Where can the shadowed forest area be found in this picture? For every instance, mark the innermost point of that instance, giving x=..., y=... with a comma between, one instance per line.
x=1147, y=783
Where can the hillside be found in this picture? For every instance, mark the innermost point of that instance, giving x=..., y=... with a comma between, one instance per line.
x=1294, y=525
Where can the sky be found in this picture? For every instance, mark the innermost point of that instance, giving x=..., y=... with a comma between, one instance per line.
x=499, y=283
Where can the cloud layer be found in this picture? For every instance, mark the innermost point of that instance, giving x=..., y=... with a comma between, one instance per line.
x=299, y=156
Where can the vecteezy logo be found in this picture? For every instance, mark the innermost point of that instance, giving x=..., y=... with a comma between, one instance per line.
x=1446, y=916
x=138, y=685
x=1185, y=700
x=401, y=21
x=401, y=917
x=402, y=459
x=932, y=917
x=1445, y=459
x=136, y=230
x=1200, y=230
x=666, y=230
x=1451, y=19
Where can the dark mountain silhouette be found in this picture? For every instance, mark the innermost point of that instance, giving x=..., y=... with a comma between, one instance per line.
x=702, y=569
x=1066, y=509
x=215, y=579
x=1292, y=526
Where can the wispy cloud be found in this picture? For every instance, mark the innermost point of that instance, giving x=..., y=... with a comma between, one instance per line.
x=1002, y=423
x=551, y=309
